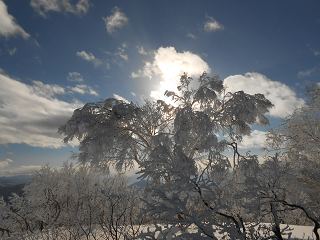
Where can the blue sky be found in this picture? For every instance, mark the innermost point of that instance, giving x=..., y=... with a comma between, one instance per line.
x=56, y=55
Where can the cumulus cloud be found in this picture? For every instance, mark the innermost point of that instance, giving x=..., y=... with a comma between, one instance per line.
x=32, y=114
x=83, y=89
x=141, y=50
x=75, y=77
x=212, y=25
x=5, y=163
x=255, y=140
x=43, y=6
x=170, y=65
x=8, y=24
x=282, y=96
x=10, y=153
x=118, y=97
x=191, y=35
x=46, y=90
x=92, y=92
x=89, y=57
x=133, y=94
x=116, y=20
x=308, y=73
x=86, y=56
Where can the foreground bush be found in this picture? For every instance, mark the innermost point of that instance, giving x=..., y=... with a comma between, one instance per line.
x=76, y=201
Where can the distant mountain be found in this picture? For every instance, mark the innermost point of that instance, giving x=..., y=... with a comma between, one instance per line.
x=141, y=184
x=15, y=179
x=6, y=190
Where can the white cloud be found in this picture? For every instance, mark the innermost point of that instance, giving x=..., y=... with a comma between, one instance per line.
x=121, y=54
x=133, y=94
x=282, y=96
x=125, y=56
x=116, y=20
x=170, y=65
x=124, y=45
x=38, y=59
x=43, y=6
x=89, y=57
x=8, y=25
x=191, y=35
x=31, y=114
x=46, y=90
x=141, y=50
x=36, y=43
x=118, y=97
x=75, y=77
x=10, y=153
x=136, y=75
x=316, y=53
x=86, y=56
x=83, y=89
x=5, y=163
x=78, y=89
x=212, y=25
x=12, y=51
x=308, y=73
x=23, y=170
x=255, y=140
x=92, y=92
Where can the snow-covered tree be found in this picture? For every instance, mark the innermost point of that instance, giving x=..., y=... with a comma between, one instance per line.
x=73, y=202
x=298, y=139
x=266, y=188
x=117, y=133
x=179, y=148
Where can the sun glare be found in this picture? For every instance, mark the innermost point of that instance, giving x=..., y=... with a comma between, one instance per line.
x=170, y=75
